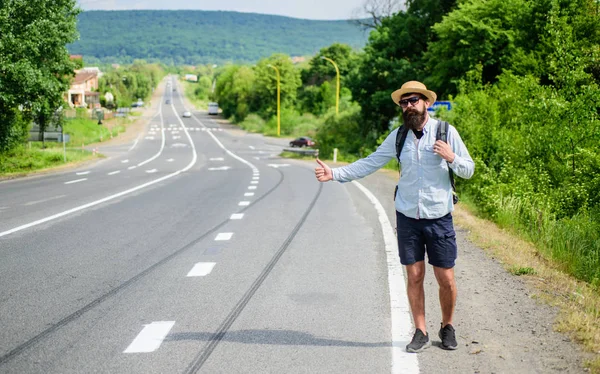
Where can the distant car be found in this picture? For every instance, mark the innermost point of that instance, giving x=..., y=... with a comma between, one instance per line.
x=213, y=108
x=137, y=104
x=303, y=141
x=168, y=101
x=186, y=114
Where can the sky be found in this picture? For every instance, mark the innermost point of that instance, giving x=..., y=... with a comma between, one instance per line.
x=309, y=9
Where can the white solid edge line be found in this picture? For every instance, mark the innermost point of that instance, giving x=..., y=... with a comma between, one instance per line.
x=150, y=338
x=201, y=269
x=402, y=361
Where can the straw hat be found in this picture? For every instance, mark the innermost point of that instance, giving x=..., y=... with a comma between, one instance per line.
x=413, y=87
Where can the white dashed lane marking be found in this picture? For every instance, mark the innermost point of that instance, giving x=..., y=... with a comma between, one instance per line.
x=76, y=181
x=150, y=338
x=201, y=269
x=83, y=173
x=237, y=216
x=114, y=172
x=244, y=203
x=224, y=236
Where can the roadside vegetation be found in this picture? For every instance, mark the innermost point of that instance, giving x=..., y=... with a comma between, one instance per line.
x=36, y=72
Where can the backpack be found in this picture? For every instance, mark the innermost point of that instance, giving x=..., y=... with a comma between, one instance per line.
x=441, y=134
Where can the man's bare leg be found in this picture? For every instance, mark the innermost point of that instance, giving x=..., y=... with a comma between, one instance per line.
x=447, y=292
x=416, y=294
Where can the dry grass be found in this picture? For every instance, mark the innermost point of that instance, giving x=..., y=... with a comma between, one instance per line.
x=578, y=303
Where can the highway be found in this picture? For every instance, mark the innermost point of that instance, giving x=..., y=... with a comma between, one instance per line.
x=197, y=248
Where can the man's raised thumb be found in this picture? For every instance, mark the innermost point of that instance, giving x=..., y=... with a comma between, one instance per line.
x=320, y=163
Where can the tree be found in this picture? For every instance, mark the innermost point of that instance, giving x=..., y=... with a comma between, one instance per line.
x=264, y=98
x=35, y=68
x=375, y=11
x=393, y=55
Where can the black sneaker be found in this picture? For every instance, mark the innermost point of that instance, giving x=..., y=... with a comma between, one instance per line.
x=419, y=342
x=448, y=337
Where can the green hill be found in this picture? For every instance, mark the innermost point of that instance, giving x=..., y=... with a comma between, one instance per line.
x=199, y=37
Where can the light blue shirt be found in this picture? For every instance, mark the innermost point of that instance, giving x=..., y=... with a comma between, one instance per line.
x=424, y=189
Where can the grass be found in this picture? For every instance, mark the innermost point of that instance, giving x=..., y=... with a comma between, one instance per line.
x=23, y=160
x=578, y=302
x=38, y=156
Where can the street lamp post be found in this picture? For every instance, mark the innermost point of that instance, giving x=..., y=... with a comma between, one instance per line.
x=278, y=100
x=337, y=87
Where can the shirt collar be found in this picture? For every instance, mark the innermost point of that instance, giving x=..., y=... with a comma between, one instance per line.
x=429, y=125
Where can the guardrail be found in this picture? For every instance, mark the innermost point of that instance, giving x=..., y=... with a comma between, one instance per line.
x=303, y=151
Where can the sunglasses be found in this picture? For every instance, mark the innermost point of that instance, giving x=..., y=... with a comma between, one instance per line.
x=411, y=100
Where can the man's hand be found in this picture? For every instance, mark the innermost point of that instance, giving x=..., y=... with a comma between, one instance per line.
x=444, y=150
x=323, y=172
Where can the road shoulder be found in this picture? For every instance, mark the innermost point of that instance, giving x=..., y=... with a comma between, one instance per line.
x=504, y=322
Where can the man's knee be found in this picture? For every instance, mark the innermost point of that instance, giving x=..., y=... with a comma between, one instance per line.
x=415, y=273
x=445, y=277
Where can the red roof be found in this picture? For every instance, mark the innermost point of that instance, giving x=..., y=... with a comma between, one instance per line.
x=83, y=77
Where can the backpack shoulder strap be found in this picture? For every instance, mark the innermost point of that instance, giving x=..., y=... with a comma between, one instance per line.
x=400, y=139
x=442, y=134
x=442, y=131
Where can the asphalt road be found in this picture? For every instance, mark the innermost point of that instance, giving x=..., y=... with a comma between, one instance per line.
x=193, y=249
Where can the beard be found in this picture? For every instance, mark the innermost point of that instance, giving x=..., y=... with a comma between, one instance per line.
x=413, y=118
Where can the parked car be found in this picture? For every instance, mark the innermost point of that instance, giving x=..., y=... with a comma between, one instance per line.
x=186, y=114
x=303, y=141
x=213, y=108
x=168, y=101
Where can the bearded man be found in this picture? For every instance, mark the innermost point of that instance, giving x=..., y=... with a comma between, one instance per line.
x=424, y=204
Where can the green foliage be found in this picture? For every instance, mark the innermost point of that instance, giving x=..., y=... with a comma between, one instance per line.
x=241, y=90
x=203, y=89
x=21, y=159
x=264, y=95
x=127, y=84
x=319, y=78
x=34, y=62
x=200, y=37
x=339, y=131
x=393, y=56
x=234, y=90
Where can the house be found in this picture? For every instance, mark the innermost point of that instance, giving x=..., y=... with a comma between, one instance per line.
x=80, y=94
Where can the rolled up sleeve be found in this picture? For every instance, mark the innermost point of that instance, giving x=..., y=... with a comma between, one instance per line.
x=463, y=165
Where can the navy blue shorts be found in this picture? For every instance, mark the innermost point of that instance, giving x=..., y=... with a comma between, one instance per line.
x=437, y=236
